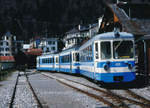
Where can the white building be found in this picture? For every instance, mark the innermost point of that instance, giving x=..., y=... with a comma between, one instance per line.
x=6, y=44
x=49, y=45
x=81, y=33
x=9, y=45
x=26, y=47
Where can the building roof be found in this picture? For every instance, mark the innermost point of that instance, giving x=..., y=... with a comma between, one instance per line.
x=93, y=25
x=74, y=30
x=135, y=26
x=32, y=51
x=7, y=59
x=79, y=29
x=107, y=36
x=84, y=28
x=8, y=33
x=26, y=46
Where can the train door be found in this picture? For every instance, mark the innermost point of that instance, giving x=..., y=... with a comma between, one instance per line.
x=71, y=62
x=54, y=62
x=96, y=55
x=38, y=62
x=59, y=61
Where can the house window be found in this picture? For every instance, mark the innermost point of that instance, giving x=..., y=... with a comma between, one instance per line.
x=7, y=44
x=1, y=43
x=7, y=54
x=47, y=49
x=53, y=42
x=53, y=48
x=49, y=42
x=1, y=49
x=1, y=54
x=7, y=49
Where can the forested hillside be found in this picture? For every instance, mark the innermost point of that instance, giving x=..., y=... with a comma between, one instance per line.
x=27, y=18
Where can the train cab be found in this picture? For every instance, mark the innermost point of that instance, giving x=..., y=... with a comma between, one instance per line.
x=115, y=58
x=109, y=58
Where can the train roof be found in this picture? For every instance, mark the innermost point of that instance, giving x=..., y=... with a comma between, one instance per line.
x=110, y=36
x=76, y=47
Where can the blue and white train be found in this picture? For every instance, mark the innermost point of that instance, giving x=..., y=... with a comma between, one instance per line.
x=46, y=62
x=69, y=60
x=107, y=57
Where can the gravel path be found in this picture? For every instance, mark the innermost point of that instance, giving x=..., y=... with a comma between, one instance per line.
x=56, y=95
x=6, y=90
x=24, y=97
x=53, y=94
x=143, y=91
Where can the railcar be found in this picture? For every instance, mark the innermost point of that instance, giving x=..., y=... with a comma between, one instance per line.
x=69, y=60
x=46, y=62
x=109, y=57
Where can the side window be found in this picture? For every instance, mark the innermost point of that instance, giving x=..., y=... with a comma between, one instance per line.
x=74, y=59
x=105, y=50
x=56, y=59
x=96, y=51
x=77, y=56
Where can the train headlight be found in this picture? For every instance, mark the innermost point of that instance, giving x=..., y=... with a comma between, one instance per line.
x=130, y=66
x=106, y=65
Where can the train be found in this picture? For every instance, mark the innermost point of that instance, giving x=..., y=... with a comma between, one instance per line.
x=107, y=57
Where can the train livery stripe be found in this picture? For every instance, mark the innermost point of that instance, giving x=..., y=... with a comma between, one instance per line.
x=109, y=77
x=116, y=64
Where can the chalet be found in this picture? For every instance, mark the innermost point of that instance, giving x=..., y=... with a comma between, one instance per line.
x=73, y=37
x=81, y=33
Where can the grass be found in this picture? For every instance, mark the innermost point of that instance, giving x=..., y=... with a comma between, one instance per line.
x=5, y=74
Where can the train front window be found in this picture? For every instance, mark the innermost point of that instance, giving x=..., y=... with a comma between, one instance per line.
x=123, y=49
x=105, y=50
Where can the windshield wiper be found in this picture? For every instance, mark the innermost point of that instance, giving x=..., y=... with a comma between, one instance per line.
x=118, y=45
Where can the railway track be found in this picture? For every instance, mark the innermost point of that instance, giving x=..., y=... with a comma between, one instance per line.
x=34, y=94
x=11, y=105
x=106, y=96
x=14, y=91
x=144, y=100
